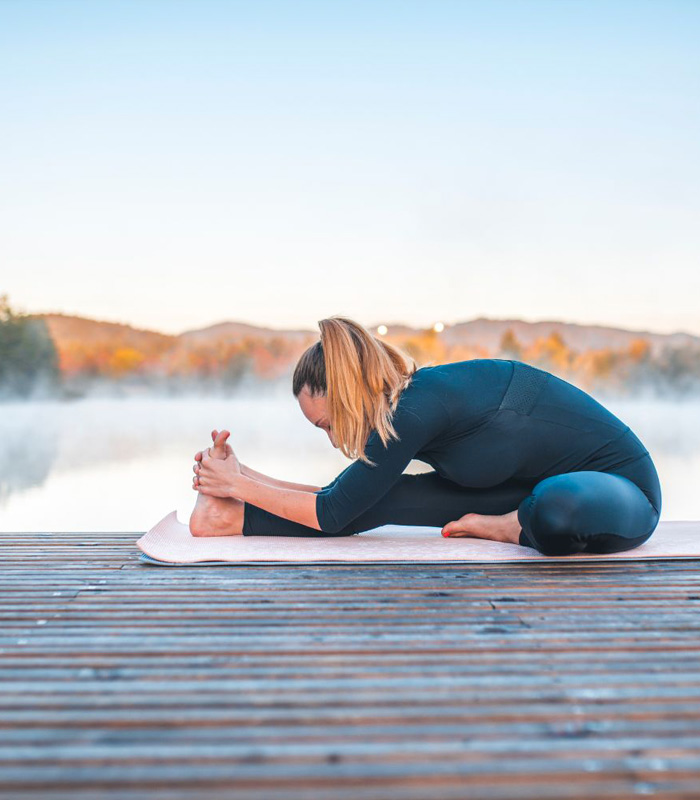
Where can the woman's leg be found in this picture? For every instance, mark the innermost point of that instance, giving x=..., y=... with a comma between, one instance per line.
x=423, y=499
x=594, y=512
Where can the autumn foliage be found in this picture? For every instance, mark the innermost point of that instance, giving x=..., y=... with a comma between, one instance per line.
x=84, y=353
x=621, y=370
x=226, y=362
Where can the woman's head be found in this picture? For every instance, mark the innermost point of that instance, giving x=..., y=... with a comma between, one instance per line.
x=349, y=382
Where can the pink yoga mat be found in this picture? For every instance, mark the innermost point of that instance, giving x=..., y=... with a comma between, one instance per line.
x=170, y=542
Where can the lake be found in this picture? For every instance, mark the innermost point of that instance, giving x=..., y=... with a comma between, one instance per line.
x=108, y=464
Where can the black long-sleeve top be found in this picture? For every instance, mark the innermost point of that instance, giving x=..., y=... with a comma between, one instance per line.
x=479, y=423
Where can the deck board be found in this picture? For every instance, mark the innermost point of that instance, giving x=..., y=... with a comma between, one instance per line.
x=533, y=680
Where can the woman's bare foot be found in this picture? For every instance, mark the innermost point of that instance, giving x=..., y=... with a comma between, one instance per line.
x=497, y=527
x=217, y=516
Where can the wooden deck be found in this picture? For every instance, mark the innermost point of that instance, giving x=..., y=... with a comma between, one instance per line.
x=533, y=681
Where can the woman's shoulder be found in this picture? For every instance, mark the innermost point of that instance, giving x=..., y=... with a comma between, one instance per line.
x=423, y=389
x=461, y=372
x=462, y=387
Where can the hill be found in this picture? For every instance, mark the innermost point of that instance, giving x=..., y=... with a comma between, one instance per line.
x=66, y=329
x=488, y=333
x=223, y=354
x=482, y=333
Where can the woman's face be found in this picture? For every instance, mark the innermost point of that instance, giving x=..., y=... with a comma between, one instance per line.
x=314, y=409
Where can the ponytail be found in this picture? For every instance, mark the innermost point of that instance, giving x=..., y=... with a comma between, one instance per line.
x=362, y=377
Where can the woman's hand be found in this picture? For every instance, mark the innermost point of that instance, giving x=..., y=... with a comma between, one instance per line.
x=210, y=477
x=216, y=476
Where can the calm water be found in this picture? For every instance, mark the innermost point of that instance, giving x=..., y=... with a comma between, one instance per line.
x=121, y=465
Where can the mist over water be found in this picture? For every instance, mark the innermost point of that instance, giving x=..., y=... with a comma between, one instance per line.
x=121, y=464
x=106, y=464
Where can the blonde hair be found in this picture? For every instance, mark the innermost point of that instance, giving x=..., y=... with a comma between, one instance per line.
x=362, y=377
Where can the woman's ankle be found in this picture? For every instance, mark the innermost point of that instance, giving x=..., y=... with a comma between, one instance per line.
x=216, y=516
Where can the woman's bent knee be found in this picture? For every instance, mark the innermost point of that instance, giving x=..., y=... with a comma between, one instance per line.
x=550, y=516
x=597, y=512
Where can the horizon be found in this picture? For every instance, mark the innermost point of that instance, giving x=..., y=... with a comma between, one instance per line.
x=275, y=161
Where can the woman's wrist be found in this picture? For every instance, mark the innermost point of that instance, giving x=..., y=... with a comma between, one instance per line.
x=238, y=486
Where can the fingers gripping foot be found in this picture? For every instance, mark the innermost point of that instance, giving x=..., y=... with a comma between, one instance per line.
x=219, y=449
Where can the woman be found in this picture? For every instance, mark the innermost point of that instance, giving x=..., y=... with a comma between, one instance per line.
x=518, y=455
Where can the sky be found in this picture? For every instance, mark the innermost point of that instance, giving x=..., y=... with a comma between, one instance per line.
x=174, y=163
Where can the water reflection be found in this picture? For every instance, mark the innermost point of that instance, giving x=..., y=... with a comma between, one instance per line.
x=27, y=452
x=121, y=464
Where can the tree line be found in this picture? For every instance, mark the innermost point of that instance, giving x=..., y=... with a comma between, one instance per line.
x=28, y=355
x=33, y=364
x=673, y=370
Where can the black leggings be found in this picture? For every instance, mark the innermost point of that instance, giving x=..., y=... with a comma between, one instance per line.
x=586, y=511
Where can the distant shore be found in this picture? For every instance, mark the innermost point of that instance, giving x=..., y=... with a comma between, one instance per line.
x=69, y=357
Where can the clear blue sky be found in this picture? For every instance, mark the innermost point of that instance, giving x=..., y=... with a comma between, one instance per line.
x=174, y=163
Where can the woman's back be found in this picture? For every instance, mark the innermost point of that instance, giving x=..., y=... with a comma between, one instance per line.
x=508, y=420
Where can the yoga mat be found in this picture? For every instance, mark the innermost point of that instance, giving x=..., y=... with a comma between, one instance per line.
x=170, y=543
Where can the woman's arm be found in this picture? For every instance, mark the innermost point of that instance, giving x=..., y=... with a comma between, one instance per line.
x=258, y=476
x=222, y=477
x=419, y=418
x=292, y=504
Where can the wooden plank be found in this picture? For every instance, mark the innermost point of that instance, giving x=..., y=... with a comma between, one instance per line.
x=532, y=680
